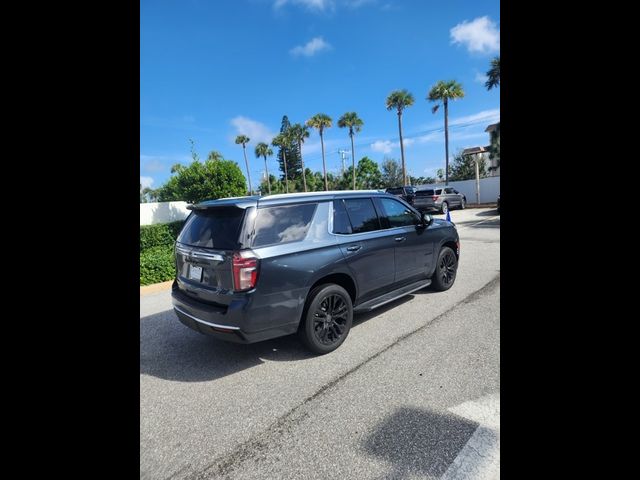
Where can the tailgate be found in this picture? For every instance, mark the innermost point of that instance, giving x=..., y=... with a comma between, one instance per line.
x=204, y=253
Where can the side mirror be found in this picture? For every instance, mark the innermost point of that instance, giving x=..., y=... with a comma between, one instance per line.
x=426, y=219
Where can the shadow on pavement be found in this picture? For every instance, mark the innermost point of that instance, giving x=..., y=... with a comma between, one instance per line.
x=488, y=213
x=171, y=351
x=474, y=223
x=419, y=442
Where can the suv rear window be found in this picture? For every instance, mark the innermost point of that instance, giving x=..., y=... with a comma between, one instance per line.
x=213, y=228
x=283, y=224
x=424, y=193
x=395, y=191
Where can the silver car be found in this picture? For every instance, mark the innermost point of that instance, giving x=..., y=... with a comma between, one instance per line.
x=439, y=199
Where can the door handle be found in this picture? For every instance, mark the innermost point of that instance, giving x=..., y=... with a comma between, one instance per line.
x=354, y=248
x=400, y=239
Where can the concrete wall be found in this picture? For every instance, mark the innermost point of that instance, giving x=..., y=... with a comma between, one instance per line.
x=162, y=212
x=489, y=189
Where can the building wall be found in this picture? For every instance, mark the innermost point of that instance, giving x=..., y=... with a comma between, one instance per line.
x=162, y=212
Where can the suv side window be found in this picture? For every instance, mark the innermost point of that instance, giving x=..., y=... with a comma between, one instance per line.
x=283, y=224
x=448, y=190
x=341, y=223
x=399, y=215
x=362, y=215
x=439, y=191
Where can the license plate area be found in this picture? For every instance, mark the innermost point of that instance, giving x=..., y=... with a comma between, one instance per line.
x=195, y=273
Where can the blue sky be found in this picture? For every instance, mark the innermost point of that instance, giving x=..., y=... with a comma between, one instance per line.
x=210, y=70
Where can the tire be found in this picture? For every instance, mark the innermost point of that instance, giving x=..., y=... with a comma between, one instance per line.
x=444, y=208
x=463, y=203
x=316, y=333
x=444, y=275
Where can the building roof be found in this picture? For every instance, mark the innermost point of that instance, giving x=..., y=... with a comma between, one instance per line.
x=492, y=127
x=472, y=150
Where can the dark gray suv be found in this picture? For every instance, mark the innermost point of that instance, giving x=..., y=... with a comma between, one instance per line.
x=438, y=199
x=255, y=268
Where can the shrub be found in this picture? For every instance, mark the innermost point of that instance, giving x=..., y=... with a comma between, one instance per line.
x=162, y=234
x=157, y=264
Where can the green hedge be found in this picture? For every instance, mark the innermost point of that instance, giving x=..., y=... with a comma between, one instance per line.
x=157, y=263
x=159, y=234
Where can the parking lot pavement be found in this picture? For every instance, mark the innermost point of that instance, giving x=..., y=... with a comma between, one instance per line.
x=397, y=399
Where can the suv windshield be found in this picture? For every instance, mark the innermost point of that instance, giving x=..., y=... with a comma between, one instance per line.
x=394, y=191
x=213, y=228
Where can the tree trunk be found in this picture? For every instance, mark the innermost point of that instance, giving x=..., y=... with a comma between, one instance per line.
x=304, y=177
x=266, y=169
x=286, y=177
x=404, y=170
x=353, y=160
x=324, y=165
x=446, y=141
x=244, y=150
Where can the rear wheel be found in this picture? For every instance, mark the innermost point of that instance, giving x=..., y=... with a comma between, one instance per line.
x=446, y=269
x=462, y=203
x=444, y=208
x=326, y=319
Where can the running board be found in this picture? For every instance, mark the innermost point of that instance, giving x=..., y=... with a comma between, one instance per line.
x=391, y=296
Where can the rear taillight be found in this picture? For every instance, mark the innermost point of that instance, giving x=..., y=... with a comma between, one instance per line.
x=435, y=197
x=245, y=270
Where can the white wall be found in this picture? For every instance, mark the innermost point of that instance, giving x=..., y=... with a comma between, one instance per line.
x=162, y=212
x=489, y=189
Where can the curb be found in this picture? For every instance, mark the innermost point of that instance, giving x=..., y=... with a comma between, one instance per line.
x=155, y=288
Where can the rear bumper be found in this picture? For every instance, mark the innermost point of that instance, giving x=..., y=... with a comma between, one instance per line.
x=235, y=323
x=430, y=207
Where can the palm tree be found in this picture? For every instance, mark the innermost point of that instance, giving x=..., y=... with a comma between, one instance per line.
x=351, y=120
x=243, y=140
x=282, y=141
x=442, y=92
x=297, y=133
x=400, y=99
x=320, y=121
x=493, y=75
x=263, y=150
x=214, y=156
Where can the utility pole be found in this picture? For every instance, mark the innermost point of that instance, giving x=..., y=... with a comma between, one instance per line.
x=477, y=157
x=342, y=154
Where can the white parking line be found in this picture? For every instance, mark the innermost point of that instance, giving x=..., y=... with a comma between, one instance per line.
x=479, y=459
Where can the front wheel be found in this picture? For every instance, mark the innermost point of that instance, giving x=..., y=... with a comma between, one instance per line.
x=463, y=203
x=446, y=269
x=326, y=319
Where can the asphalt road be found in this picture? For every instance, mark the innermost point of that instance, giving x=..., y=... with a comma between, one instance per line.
x=412, y=393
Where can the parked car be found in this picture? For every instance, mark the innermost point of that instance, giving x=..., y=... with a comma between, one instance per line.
x=439, y=199
x=251, y=268
x=406, y=193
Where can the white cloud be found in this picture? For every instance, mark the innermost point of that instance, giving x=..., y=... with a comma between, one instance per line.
x=312, y=47
x=480, y=78
x=385, y=146
x=485, y=116
x=480, y=35
x=146, y=181
x=256, y=131
x=316, y=5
